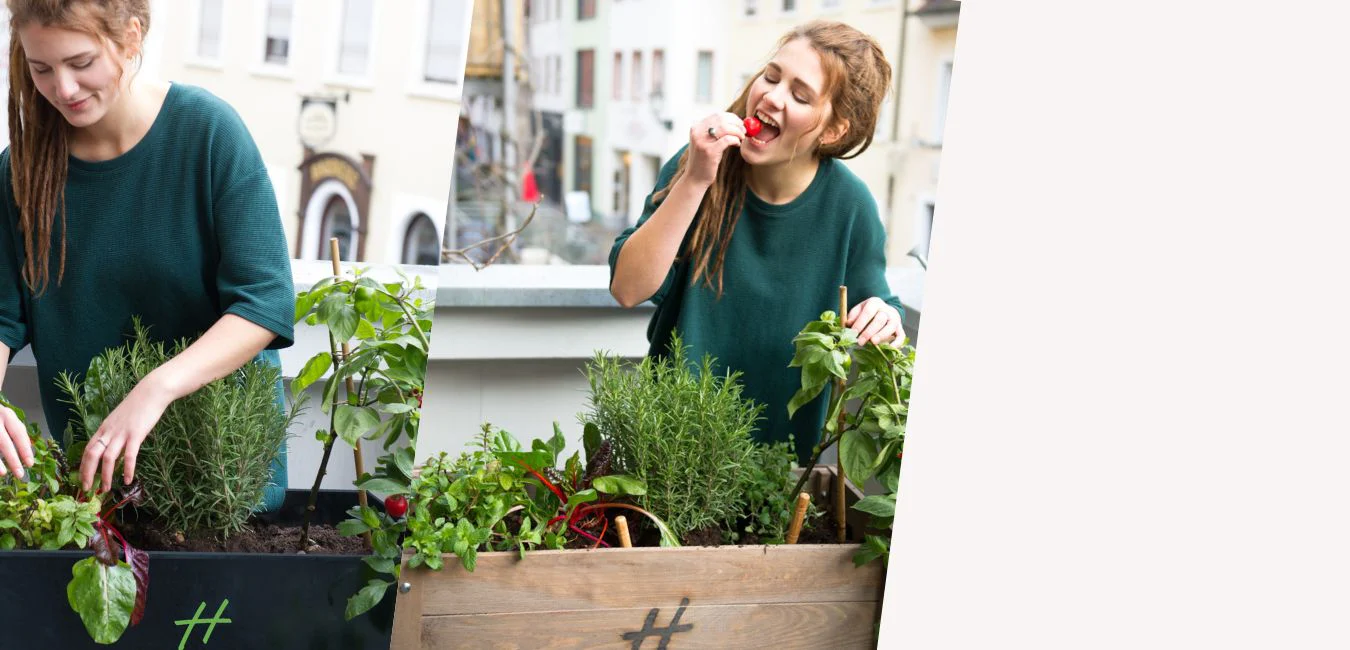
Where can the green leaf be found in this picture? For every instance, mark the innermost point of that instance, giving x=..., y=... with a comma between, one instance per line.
x=369, y=516
x=803, y=397
x=352, y=527
x=620, y=485
x=856, y=452
x=383, y=486
x=352, y=422
x=398, y=407
x=364, y=330
x=379, y=564
x=590, y=439
x=103, y=596
x=584, y=496
x=313, y=370
x=340, y=316
x=366, y=599
x=878, y=505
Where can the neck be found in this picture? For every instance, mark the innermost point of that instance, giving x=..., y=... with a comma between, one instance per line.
x=125, y=123
x=782, y=182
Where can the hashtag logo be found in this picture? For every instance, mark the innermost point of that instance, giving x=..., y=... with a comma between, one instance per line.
x=649, y=628
x=197, y=618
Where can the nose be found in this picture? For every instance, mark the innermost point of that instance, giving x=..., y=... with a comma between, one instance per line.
x=66, y=86
x=774, y=98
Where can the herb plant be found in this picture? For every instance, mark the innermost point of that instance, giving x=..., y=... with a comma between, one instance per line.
x=683, y=430
x=209, y=458
x=871, y=438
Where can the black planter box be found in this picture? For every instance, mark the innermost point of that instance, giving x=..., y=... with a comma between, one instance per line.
x=274, y=601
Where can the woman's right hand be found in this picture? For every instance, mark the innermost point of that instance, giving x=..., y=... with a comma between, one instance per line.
x=16, y=450
x=705, y=150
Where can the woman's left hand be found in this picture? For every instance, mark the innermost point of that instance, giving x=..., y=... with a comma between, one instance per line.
x=122, y=433
x=874, y=321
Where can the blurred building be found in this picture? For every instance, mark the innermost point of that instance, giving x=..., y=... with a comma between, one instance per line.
x=354, y=104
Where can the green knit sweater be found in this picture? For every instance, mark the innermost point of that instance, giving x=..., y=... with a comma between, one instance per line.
x=180, y=230
x=783, y=267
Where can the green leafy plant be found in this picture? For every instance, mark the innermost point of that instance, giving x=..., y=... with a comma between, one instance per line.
x=374, y=387
x=46, y=510
x=498, y=497
x=208, y=460
x=871, y=437
x=768, y=500
x=683, y=430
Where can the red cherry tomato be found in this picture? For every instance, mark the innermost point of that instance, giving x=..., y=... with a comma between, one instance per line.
x=752, y=126
x=396, y=505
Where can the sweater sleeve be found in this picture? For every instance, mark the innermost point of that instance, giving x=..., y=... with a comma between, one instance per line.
x=648, y=208
x=866, y=271
x=253, y=276
x=13, y=319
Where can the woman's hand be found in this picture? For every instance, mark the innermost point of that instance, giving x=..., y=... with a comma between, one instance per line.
x=874, y=321
x=706, y=147
x=122, y=433
x=16, y=450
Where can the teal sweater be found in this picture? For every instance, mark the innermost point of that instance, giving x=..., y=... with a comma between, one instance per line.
x=783, y=267
x=180, y=230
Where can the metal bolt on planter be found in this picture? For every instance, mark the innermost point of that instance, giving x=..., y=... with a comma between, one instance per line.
x=405, y=587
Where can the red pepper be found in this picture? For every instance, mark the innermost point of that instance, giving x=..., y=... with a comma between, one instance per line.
x=752, y=126
x=396, y=505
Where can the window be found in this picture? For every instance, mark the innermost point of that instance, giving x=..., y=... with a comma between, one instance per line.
x=829, y=4
x=337, y=222
x=557, y=75
x=703, y=91
x=208, y=29
x=789, y=6
x=618, y=75
x=581, y=180
x=621, y=163
x=940, y=113
x=658, y=71
x=278, y=48
x=751, y=7
x=444, y=35
x=354, y=51
x=420, y=244
x=637, y=76
x=585, y=78
x=585, y=9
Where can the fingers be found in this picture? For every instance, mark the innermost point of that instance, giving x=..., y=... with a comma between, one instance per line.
x=109, y=461
x=15, y=447
x=89, y=461
x=866, y=310
x=129, y=460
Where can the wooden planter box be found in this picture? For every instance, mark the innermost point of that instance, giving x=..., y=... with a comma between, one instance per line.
x=691, y=597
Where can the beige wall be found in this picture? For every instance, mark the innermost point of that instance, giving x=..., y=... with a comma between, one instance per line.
x=407, y=124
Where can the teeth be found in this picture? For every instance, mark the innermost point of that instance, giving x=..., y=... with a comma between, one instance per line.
x=765, y=119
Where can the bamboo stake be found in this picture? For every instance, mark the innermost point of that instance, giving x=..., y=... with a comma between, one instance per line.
x=798, y=515
x=840, y=513
x=624, y=540
x=351, y=388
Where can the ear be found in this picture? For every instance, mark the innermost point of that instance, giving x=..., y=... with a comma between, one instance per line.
x=134, y=38
x=834, y=133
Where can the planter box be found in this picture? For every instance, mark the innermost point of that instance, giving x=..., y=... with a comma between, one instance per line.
x=712, y=597
x=274, y=601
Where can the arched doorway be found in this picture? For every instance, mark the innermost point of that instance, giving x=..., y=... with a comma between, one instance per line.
x=421, y=244
x=337, y=222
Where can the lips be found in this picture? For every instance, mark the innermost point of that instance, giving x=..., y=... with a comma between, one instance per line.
x=75, y=106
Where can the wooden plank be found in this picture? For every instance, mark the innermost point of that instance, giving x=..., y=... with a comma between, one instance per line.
x=796, y=625
x=408, y=612
x=647, y=577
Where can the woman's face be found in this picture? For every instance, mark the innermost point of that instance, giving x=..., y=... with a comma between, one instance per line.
x=73, y=71
x=787, y=99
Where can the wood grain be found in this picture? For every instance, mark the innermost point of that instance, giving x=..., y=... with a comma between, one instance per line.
x=608, y=578
x=841, y=625
x=408, y=619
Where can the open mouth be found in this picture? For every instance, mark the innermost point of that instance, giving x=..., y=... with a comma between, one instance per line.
x=769, y=131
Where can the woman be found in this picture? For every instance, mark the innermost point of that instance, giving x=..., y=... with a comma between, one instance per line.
x=126, y=198
x=747, y=238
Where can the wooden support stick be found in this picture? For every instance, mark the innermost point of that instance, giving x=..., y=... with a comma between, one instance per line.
x=840, y=510
x=624, y=540
x=798, y=516
x=351, y=388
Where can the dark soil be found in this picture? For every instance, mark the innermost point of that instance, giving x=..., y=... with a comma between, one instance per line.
x=257, y=537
